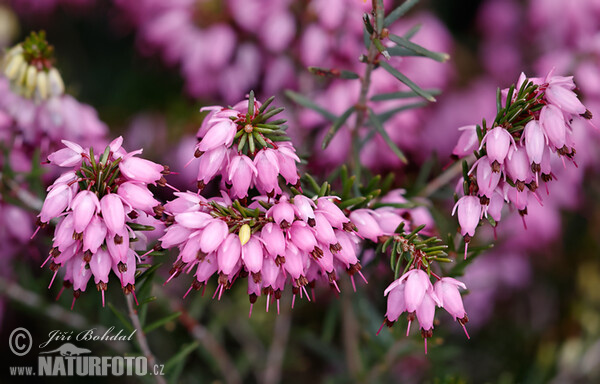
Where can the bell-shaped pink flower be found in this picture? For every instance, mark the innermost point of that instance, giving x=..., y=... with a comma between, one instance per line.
x=100, y=265
x=469, y=213
x=193, y=220
x=487, y=179
x=518, y=167
x=81, y=274
x=267, y=166
x=127, y=277
x=332, y=212
x=323, y=230
x=287, y=162
x=282, y=212
x=220, y=134
x=447, y=292
x=113, y=212
x=252, y=255
x=67, y=157
x=467, y=141
x=564, y=99
x=366, y=226
x=84, y=207
x=229, y=254
x=189, y=251
x=118, y=245
x=495, y=206
x=274, y=239
x=497, y=142
x=141, y=170
x=138, y=196
x=417, y=285
x=533, y=135
x=396, y=304
x=211, y=163
x=56, y=202
x=302, y=236
x=206, y=268
x=553, y=123
x=63, y=236
x=175, y=235
x=213, y=236
x=240, y=174
x=294, y=264
x=304, y=207
x=426, y=311
x=347, y=255
x=94, y=235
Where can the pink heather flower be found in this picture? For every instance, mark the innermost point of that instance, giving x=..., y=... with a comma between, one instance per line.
x=219, y=134
x=213, y=236
x=469, y=214
x=417, y=285
x=564, y=98
x=67, y=157
x=446, y=290
x=275, y=243
x=267, y=167
x=240, y=174
x=366, y=224
x=282, y=213
x=487, y=179
x=302, y=236
x=467, y=141
x=211, y=163
x=497, y=142
x=252, y=256
x=518, y=168
x=553, y=123
x=142, y=170
x=425, y=314
x=274, y=237
x=84, y=207
x=495, y=206
x=228, y=254
x=396, y=303
x=332, y=212
x=57, y=201
x=93, y=234
x=138, y=196
x=533, y=135
x=113, y=212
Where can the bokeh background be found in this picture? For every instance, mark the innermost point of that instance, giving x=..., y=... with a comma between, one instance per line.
x=147, y=67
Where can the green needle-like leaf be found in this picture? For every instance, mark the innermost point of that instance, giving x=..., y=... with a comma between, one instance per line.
x=399, y=12
x=307, y=103
x=418, y=90
x=379, y=127
x=337, y=124
x=161, y=322
x=419, y=50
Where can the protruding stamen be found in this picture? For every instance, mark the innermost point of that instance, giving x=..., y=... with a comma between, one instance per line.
x=380, y=328
x=52, y=281
x=188, y=291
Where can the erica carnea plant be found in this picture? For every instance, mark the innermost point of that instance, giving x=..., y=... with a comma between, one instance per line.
x=279, y=217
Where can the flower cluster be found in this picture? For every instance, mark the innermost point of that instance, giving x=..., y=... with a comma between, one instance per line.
x=413, y=293
x=291, y=240
x=99, y=205
x=29, y=68
x=516, y=151
x=245, y=148
x=35, y=114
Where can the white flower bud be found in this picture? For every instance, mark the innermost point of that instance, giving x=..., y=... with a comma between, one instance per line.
x=55, y=82
x=42, y=85
x=12, y=68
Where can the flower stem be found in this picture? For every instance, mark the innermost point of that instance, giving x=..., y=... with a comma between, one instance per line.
x=141, y=338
